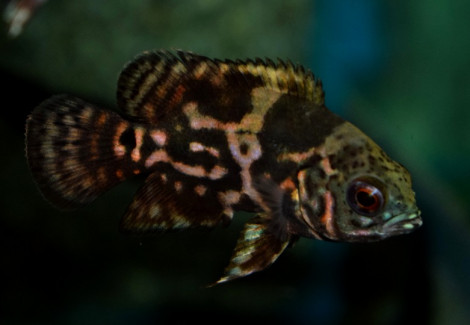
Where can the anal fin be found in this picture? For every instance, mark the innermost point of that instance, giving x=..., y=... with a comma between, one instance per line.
x=257, y=248
x=168, y=202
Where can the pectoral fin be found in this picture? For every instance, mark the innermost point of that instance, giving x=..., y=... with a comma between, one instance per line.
x=256, y=249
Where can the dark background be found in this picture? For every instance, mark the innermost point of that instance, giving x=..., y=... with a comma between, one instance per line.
x=400, y=70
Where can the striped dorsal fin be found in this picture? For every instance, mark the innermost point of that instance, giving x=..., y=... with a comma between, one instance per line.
x=157, y=82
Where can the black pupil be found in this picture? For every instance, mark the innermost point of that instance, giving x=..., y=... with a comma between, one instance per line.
x=365, y=199
x=365, y=196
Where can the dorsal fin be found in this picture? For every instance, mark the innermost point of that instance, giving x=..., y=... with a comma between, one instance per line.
x=156, y=82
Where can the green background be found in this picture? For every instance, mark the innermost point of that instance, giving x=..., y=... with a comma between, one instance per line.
x=400, y=70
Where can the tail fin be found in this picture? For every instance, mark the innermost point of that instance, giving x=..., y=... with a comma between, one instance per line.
x=77, y=151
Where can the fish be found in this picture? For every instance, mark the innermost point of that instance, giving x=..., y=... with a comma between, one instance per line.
x=214, y=137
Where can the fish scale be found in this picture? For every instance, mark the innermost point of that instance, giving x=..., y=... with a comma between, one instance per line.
x=218, y=136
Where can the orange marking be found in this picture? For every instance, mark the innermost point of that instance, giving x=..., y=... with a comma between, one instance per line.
x=177, y=95
x=198, y=121
x=230, y=197
x=227, y=199
x=149, y=108
x=304, y=198
x=205, y=123
x=200, y=70
x=297, y=157
x=245, y=160
x=159, y=137
x=200, y=190
x=325, y=162
x=197, y=171
x=253, y=122
x=198, y=147
x=101, y=119
x=302, y=177
x=327, y=217
x=288, y=184
x=135, y=155
x=162, y=90
x=139, y=133
x=87, y=182
x=120, y=174
x=119, y=149
x=217, y=172
x=253, y=152
x=157, y=156
x=217, y=80
x=86, y=113
x=136, y=172
x=178, y=186
x=213, y=151
x=164, y=178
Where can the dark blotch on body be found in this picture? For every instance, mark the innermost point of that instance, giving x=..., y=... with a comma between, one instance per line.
x=244, y=148
x=312, y=124
x=127, y=139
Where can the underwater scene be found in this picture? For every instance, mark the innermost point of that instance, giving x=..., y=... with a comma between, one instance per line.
x=237, y=162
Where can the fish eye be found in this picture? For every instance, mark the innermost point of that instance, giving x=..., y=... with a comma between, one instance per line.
x=365, y=198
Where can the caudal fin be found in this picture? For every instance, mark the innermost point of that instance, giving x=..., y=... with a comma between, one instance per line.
x=77, y=151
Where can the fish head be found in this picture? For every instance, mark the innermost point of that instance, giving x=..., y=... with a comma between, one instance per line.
x=354, y=192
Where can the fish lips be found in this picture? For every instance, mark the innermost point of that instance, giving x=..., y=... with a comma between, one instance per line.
x=399, y=224
x=403, y=223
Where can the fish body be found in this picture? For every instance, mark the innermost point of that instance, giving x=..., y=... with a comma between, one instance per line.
x=215, y=137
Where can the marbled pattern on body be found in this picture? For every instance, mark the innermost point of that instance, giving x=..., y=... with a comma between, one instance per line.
x=218, y=136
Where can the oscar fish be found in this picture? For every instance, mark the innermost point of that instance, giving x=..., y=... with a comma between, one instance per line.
x=218, y=136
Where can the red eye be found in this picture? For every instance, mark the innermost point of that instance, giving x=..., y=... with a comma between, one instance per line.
x=365, y=198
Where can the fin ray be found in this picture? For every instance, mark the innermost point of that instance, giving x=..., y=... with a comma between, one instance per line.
x=156, y=82
x=69, y=150
x=158, y=206
x=256, y=249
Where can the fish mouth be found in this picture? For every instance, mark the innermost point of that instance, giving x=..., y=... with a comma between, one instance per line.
x=399, y=224
x=403, y=223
